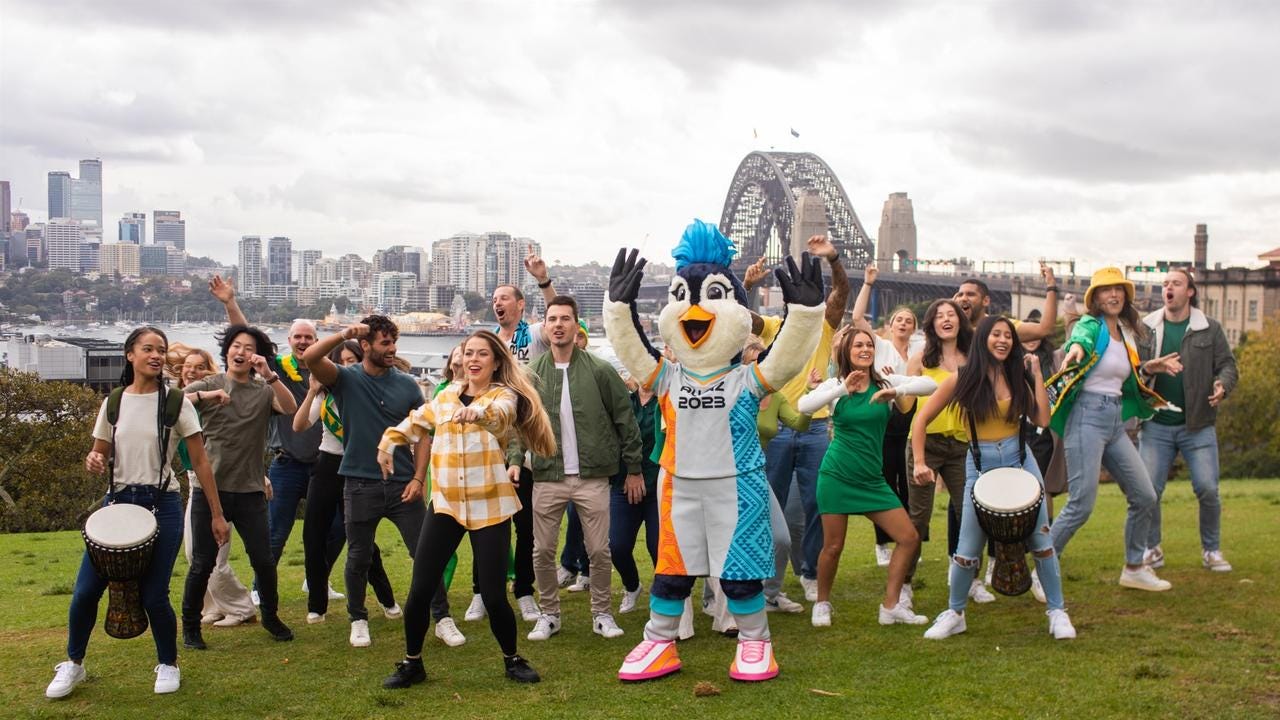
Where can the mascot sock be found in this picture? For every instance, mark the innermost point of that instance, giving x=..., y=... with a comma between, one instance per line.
x=746, y=602
x=667, y=597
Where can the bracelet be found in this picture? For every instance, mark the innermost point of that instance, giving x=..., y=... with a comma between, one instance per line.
x=1051, y=289
x=545, y=284
x=418, y=480
x=274, y=379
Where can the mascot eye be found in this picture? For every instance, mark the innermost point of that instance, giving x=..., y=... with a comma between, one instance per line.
x=680, y=292
x=715, y=292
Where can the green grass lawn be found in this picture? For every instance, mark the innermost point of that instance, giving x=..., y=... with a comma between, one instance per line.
x=1208, y=648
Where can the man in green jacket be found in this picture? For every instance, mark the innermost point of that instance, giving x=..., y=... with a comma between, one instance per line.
x=590, y=410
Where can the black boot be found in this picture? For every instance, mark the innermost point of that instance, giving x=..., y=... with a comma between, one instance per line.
x=191, y=637
x=408, y=672
x=271, y=623
x=518, y=669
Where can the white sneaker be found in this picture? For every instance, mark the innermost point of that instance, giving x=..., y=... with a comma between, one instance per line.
x=315, y=618
x=1037, y=590
x=211, y=618
x=1060, y=626
x=883, y=552
x=232, y=620
x=360, y=633
x=686, y=620
x=449, y=633
x=546, y=626
x=168, y=679
x=1214, y=561
x=991, y=570
x=1153, y=557
x=66, y=676
x=822, y=613
x=475, y=610
x=335, y=595
x=395, y=612
x=782, y=603
x=582, y=583
x=810, y=588
x=604, y=626
x=979, y=592
x=529, y=610
x=630, y=598
x=900, y=614
x=1144, y=578
x=907, y=596
x=253, y=595
x=564, y=576
x=949, y=623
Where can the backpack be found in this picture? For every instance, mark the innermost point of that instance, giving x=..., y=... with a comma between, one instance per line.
x=166, y=417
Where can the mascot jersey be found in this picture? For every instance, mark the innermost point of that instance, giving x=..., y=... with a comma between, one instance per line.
x=711, y=420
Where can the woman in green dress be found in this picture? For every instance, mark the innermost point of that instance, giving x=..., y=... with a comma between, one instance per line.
x=851, y=479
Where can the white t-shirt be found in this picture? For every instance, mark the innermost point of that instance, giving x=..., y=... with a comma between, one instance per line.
x=887, y=354
x=1108, y=376
x=136, y=447
x=329, y=443
x=568, y=431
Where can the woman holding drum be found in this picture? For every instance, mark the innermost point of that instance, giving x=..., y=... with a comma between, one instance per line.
x=995, y=390
x=131, y=448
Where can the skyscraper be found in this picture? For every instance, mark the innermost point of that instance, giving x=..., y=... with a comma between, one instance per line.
x=59, y=194
x=307, y=261
x=62, y=240
x=279, y=261
x=86, y=193
x=5, y=208
x=168, y=226
x=250, y=272
x=133, y=228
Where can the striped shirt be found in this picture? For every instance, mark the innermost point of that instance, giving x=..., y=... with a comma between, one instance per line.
x=468, y=468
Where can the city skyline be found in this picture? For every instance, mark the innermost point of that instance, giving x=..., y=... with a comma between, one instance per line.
x=1019, y=130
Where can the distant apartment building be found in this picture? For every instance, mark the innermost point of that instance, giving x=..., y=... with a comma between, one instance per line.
x=120, y=258
x=6, y=207
x=279, y=261
x=133, y=228
x=153, y=260
x=167, y=226
x=250, y=272
x=479, y=263
x=62, y=240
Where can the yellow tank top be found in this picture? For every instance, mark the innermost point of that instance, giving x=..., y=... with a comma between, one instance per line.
x=997, y=427
x=948, y=423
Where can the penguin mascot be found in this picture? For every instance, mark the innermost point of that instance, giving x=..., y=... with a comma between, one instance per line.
x=713, y=497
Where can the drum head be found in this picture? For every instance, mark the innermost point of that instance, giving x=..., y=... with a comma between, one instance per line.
x=120, y=526
x=1006, y=490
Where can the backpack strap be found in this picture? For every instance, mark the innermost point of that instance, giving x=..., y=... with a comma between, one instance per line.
x=113, y=416
x=173, y=407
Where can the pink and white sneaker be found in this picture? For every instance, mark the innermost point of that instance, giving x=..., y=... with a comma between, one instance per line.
x=754, y=661
x=649, y=660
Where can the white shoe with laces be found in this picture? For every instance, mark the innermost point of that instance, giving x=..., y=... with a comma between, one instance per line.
x=979, y=592
x=475, y=610
x=1037, y=590
x=582, y=584
x=1153, y=557
x=948, y=623
x=564, y=576
x=1144, y=578
x=630, y=599
x=1213, y=560
x=546, y=626
x=395, y=612
x=605, y=626
x=883, y=553
x=360, y=633
x=315, y=618
x=529, y=610
x=66, y=676
x=1060, y=626
x=783, y=604
x=449, y=633
x=810, y=586
x=900, y=614
x=822, y=612
x=907, y=596
x=168, y=679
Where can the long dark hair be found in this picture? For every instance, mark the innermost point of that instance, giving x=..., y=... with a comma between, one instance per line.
x=975, y=384
x=351, y=346
x=262, y=344
x=126, y=376
x=933, y=344
x=844, y=365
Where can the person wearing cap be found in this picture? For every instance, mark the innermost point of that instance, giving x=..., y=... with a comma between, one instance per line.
x=1209, y=374
x=1098, y=391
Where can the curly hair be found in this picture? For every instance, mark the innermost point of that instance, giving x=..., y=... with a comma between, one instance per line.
x=380, y=324
x=932, y=343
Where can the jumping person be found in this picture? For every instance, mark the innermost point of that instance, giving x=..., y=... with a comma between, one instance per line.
x=140, y=477
x=473, y=422
x=995, y=390
x=851, y=480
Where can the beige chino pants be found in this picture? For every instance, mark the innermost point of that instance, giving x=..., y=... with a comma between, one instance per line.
x=591, y=497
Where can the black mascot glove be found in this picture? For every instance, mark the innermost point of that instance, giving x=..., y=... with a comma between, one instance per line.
x=624, y=279
x=801, y=285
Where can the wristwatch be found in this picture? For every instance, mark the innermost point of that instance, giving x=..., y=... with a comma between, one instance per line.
x=545, y=284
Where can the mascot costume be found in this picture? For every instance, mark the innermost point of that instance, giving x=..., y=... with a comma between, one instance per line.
x=713, y=497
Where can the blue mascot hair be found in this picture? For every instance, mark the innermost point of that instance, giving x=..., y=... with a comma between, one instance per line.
x=703, y=242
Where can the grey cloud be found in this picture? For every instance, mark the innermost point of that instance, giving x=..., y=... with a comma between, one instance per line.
x=213, y=16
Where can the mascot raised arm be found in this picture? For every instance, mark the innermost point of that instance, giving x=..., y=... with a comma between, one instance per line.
x=713, y=497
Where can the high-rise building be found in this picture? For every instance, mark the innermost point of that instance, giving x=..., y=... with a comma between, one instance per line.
x=89, y=250
x=5, y=207
x=169, y=227
x=250, y=269
x=35, y=243
x=91, y=170
x=307, y=260
x=86, y=193
x=62, y=240
x=896, y=243
x=279, y=261
x=18, y=221
x=176, y=261
x=120, y=258
x=392, y=290
x=153, y=260
x=133, y=228
x=59, y=194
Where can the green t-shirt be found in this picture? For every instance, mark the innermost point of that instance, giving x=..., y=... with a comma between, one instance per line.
x=1170, y=386
x=235, y=434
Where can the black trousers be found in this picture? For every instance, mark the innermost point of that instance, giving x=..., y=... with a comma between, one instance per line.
x=247, y=512
x=523, y=521
x=319, y=546
x=441, y=535
x=896, y=472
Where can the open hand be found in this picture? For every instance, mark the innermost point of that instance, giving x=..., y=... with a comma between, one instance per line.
x=820, y=246
x=1046, y=273
x=1073, y=357
x=1168, y=364
x=1219, y=392
x=754, y=274
x=625, y=277
x=221, y=289
x=815, y=378
x=854, y=379
x=536, y=266
x=885, y=395
x=801, y=284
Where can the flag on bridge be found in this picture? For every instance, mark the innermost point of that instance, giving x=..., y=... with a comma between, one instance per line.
x=794, y=133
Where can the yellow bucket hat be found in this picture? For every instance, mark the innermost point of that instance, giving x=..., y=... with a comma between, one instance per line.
x=1105, y=277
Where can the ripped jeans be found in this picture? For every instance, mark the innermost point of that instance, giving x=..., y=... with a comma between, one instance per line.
x=1001, y=454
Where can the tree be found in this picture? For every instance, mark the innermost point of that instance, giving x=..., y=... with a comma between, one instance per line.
x=44, y=434
x=1249, y=420
x=478, y=305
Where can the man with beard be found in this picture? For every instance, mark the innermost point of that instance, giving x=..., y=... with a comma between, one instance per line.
x=371, y=397
x=974, y=298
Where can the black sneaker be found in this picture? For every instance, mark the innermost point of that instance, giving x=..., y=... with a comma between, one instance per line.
x=192, y=638
x=271, y=623
x=518, y=669
x=408, y=672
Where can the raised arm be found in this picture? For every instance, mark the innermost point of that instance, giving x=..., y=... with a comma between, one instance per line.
x=860, y=303
x=622, y=320
x=537, y=267
x=802, y=292
x=838, y=298
x=831, y=390
x=316, y=358
x=305, y=418
x=1048, y=318
x=225, y=292
x=904, y=389
x=283, y=400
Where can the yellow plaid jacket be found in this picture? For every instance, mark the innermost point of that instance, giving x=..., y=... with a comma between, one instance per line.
x=468, y=468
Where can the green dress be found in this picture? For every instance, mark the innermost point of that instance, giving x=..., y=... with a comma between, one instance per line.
x=851, y=479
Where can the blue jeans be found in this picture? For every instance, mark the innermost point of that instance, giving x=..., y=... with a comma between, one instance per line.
x=800, y=454
x=1095, y=438
x=624, y=526
x=964, y=565
x=573, y=556
x=1159, y=445
x=83, y=614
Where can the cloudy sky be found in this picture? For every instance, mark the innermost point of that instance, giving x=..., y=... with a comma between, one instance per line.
x=1020, y=129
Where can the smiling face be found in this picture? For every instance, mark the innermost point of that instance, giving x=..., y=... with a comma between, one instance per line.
x=380, y=349
x=946, y=323
x=194, y=368
x=147, y=356
x=508, y=308
x=1000, y=341
x=240, y=354
x=703, y=324
x=1177, y=291
x=302, y=335
x=862, y=350
x=561, y=326
x=478, y=362
x=1110, y=300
